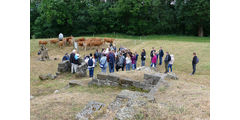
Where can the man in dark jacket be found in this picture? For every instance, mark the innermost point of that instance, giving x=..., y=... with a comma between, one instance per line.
x=72, y=59
x=111, y=61
x=194, y=62
x=161, y=54
x=143, y=57
x=166, y=60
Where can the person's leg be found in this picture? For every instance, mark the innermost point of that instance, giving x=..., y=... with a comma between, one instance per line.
x=127, y=67
x=89, y=69
x=136, y=65
x=92, y=72
x=171, y=67
x=166, y=67
x=143, y=62
x=160, y=61
x=194, y=68
x=122, y=68
x=72, y=67
x=113, y=68
x=109, y=66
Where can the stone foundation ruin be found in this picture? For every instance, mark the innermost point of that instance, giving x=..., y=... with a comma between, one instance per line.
x=65, y=66
x=126, y=102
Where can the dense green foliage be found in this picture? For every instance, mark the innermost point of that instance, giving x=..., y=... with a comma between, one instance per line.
x=133, y=17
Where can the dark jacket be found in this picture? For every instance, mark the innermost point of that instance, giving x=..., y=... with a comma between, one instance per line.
x=143, y=56
x=194, y=61
x=65, y=57
x=136, y=57
x=72, y=55
x=77, y=61
x=167, y=58
x=151, y=53
x=161, y=53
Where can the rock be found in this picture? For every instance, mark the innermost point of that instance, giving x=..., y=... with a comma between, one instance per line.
x=102, y=76
x=89, y=109
x=31, y=97
x=56, y=91
x=43, y=77
x=74, y=83
x=58, y=73
x=151, y=78
x=171, y=76
x=81, y=70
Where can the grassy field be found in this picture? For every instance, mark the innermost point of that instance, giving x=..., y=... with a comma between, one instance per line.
x=186, y=98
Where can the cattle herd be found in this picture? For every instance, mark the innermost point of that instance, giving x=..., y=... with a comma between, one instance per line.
x=82, y=42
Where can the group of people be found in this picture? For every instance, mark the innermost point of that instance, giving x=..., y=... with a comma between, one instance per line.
x=123, y=59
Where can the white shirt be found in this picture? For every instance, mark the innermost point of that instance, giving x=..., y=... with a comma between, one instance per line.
x=60, y=36
x=172, y=60
x=128, y=60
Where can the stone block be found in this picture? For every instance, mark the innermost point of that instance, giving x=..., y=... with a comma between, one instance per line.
x=102, y=76
x=126, y=81
x=113, y=78
x=74, y=83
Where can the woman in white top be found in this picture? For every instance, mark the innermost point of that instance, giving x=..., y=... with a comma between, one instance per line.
x=171, y=63
x=128, y=62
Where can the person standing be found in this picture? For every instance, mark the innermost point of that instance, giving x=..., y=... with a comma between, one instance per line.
x=60, y=37
x=133, y=61
x=171, y=63
x=111, y=61
x=152, y=53
x=103, y=63
x=161, y=54
x=143, y=57
x=128, y=62
x=166, y=60
x=136, y=54
x=154, y=60
x=97, y=56
x=122, y=61
x=91, y=63
x=194, y=62
x=72, y=59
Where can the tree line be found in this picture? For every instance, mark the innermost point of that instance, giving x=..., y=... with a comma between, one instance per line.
x=48, y=18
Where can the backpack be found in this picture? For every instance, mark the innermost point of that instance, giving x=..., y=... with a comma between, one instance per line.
x=169, y=58
x=197, y=61
x=90, y=62
x=121, y=61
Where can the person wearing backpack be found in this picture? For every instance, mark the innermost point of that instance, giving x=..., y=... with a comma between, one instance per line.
x=143, y=57
x=133, y=61
x=167, y=60
x=111, y=61
x=171, y=63
x=91, y=63
x=194, y=63
x=103, y=63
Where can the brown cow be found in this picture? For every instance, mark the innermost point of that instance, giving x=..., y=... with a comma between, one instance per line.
x=80, y=39
x=109, y=40
x=41, y=42
x=60, y=44
x=54, y=41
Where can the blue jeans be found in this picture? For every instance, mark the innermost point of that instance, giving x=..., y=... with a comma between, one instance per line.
x=170, y=66
x=104, y=69
x=111, y=68
x=91, y=70
x=194, y=68
x=133, y=66
x=128, y=66
x=153, y=64
x=160, y=60
x=143, y=62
